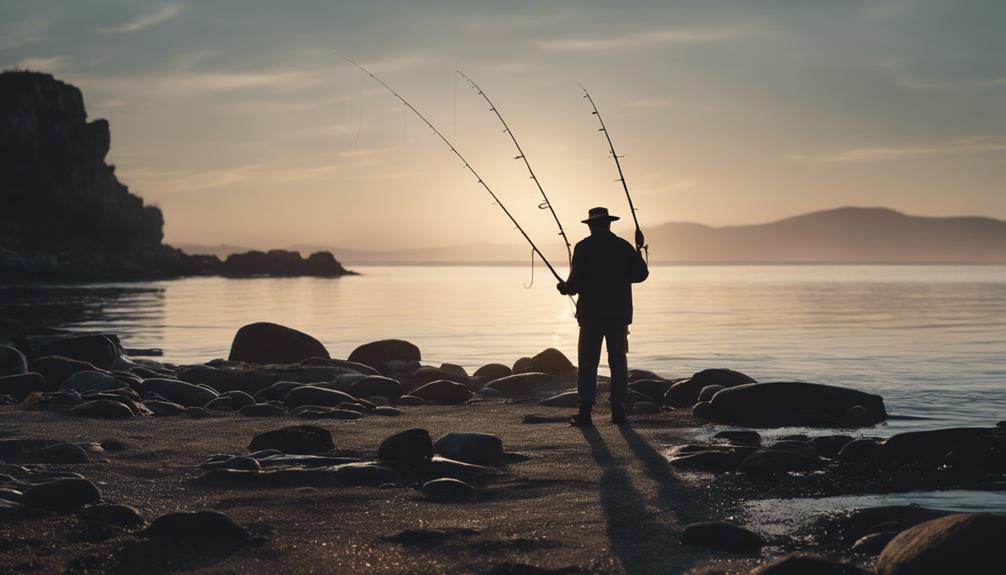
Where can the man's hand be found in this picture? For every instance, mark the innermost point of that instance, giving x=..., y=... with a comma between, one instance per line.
x=563, y=289
x=640, y=240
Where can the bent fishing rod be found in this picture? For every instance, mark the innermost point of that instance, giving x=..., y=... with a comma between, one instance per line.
x=547, y=204
x=467, y=166
x=621, y=176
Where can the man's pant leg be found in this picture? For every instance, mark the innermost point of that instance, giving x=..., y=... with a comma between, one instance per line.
x=588, y=356
x=615, y=337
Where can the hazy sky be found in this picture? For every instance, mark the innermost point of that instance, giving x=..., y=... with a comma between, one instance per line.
x=243, y=122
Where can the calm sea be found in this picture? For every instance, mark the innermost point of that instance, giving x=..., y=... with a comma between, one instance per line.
x=930, y=339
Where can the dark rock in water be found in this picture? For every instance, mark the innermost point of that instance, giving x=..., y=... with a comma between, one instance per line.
x=722, y=535
x=164, y=408
x=443, y=392
x=56, y=369
x=568, y=399
x=807, y=565
x=960, y=543
x=709, y=391
x=706, y=461
x=769, y=461
x=829, y=445
x=300, y=439
x=12, y=361
x=19, y=386
x=377, y=354
x=312, y=395
x=86, y=381
x=455, y=369
x=376, y=385
x=266, y=342
x=523, y=384
x=873, y=543
x=932, y=446
x=550, y=361
x=789, y=403
x=654, y=388
x=493, y=371
x=412, y=446
x=61, y=453
x=471, y=447
x=447, y=489
x=179, y=392
x=740, y=437
x=262, y=410
x=102, y=409
x=112, y=515
x=282, y=263
x=410, y=400
x=858, y=416
x=861, y=450
x=702, y=410
x=95, y=349
x=197, y=528
x=686, y=393
x=62, y=495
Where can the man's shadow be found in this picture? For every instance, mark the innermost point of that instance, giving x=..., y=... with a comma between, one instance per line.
x=641, y=540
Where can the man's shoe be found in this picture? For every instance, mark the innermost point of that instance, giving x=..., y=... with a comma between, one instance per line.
x=618, y=415
x=582, y=419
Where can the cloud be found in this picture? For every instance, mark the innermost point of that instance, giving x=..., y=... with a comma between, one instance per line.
x=163, y=13
x=967, y=146
x=23, y=32
x=639, y=40
x=50, y=64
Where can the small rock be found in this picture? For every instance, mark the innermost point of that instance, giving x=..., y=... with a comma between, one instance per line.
x=387, y=411
x=89, y=381
x=568, y=399
x=21, y=385
x=377, y=354
x=410, y=400
x=654, y=388
x=412, y=446
x=471, y=447
x=301, y=439
x=686, y=393
x=318, y=396
x=179, y=392
x=443, y=392
x=95, y=349
x=262, y=410
x=164, y=408
x=722, y=535
x=235, y=462
x=740, y=437
x=493, y=371
x=706, y=461
x=61, y=453
x=550, y=361
x=768, y=461
x=266, y=342
x=62, y=495
x=645, y=407
x=221, y=404
x=709, y=391
x=376, y=385
x=318, y=412
x=454, y=368
x=196, y=412
x=861, y=450
x=447, y=489
x=523, y=384
x=197, y=528
x=107, y=514
x=102, y=409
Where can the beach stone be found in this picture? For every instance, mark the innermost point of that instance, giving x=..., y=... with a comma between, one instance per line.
x=222, y=404
x=102, y=409
x=443, y=392
x=862, y=451
x=428, y=374
x=19, y=386
x=265, y=342
x=62, y=495
x=829, y=445
x=722, y=535
x=299, y=439
x=179, y=392
x=493, y=371
x=61, y=453
x=709, y=391
x=959, y=543
x=769, y=461
x=114, y=515
x=520, y=366
x=447, y=489
x=439, y=466
x=318, y=396
x=645, y=407
x=87, y=381
x=932, y=446
x=873, y=543
x=654, y=388
x=410, y=400
x=164, y=408
x=523, y=384
x=455, y=369
x=550, y=361
x=377, y=354
x=12, y=361
x=568, y=399
x=634, y=397
x=239, y=398
x=740, y=437
x=378, y=400
x=319, y=412
x=277, y=391
x=376, y=385
x=262, y=410
x=472, y=447
x=196, y=528
x=790, y=403
x=197, y=412
x=702, y=410
x=412, y=446
x=807, y=565
x=56, y=369
x=96, y=349
x=711, y=460
x=234, y=462
x=858, y=416
x=685, y=393
x=387, y=411
x=365, y=473
x=800, y=446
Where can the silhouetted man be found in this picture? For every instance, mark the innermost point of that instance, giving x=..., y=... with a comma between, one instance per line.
x=603, y=270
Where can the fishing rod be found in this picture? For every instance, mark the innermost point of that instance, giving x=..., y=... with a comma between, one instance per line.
x=468, y=166
x=621, y=176
x=522, y=156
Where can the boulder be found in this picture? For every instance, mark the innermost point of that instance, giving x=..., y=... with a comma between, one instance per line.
x=807, y=565
x=112, y=515
x=375, y=385
x=654, y=388
x=56, y=369
x=19, y=386
x=377, y=354
x=164, y=408
x=550, y=361
x=96, y=349
x=196, y=528
x=319, y=396
x=265, y=342
x=299, y=439
x=12, y=361
x=640, y=374
x=426, y=374
x=523, y=384
x=709, y=391
x=686, y=393
x=412, y=446
x=873, y=543
x=447, y=489
x=62, y=495
x=471, y=447
x=493, y=371
x=88, y=381
x=410, y=400
x=961, y=543
x=61, y=453
x=789, y=403
x=239, y=398
x=102, y=409
x=443, y=392
x=178, y=392
x=722, y=535
x=932, y=446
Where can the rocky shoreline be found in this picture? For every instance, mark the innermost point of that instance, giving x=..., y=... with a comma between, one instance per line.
x=112, y=463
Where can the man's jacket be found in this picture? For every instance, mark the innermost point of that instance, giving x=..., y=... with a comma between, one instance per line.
x=604, y=268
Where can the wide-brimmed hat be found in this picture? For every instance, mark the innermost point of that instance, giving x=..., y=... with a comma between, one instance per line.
x=599, y=215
